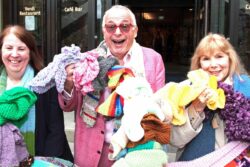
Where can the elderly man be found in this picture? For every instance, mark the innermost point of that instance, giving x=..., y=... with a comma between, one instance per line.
x=119, y=30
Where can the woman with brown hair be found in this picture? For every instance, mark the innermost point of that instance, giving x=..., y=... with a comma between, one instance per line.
x=43, y=128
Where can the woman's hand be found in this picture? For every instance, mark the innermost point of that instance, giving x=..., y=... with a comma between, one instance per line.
x=201, y=101
x=69, y=83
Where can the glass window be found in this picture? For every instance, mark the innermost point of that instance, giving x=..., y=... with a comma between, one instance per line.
x=219, y=14
x=1, y=15
x=30, y=15
x=244, y=32
x=101, y=7
x=74, y=27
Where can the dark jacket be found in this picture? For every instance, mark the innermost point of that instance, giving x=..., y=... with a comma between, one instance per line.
x=50, y=136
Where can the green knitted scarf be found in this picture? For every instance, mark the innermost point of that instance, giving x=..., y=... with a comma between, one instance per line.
x=15, y=104
x=27, y=123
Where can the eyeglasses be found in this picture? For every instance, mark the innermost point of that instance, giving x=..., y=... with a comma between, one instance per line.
x=124, y=28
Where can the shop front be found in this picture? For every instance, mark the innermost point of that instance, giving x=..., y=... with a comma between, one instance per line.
x=64, y=22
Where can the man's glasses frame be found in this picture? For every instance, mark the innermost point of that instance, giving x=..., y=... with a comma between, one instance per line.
x=124, y=28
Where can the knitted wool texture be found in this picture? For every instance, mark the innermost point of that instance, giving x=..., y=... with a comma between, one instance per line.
x=40, y=161
x=88, y=113
x=55, y=73
x=220, y=157
x=113, y=105
x=145, y=158
x=146, y=146
x=90, y=74
x=179, y=95
x=154, y=129
x=101, y=81
x=85, y=72
x=15, y=103
x=12, y=146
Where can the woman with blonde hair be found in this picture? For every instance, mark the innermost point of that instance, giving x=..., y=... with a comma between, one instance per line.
x=206, y=131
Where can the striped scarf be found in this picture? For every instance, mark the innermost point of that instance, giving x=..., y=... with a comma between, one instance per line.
x=28, y=127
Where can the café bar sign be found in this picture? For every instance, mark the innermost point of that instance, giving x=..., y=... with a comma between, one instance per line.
x=30, y=11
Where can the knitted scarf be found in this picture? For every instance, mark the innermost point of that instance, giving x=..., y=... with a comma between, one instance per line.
x=91, y=99
x=237, y=122
x=13, y=149
x=27, y=127
x=154, y=129
x=14, y=105
x=220, y=157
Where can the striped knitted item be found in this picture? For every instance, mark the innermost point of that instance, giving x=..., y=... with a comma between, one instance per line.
x=3, y=79
x=117, y=74
x=143, y=158
x=146, y=146
x=220, y=157
x=113, y=105
x=88, y=113
x=27, y=126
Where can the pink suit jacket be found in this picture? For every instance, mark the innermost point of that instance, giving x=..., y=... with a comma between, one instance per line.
x=89, y=142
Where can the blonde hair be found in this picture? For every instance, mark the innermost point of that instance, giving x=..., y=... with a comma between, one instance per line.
x=119, y=7
x=216, y=42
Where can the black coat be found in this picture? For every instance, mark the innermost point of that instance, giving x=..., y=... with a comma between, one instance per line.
x=50, y=136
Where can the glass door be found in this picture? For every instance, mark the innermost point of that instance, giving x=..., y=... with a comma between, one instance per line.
x=243, y=32
x=74, y=28
x=27, y=13
x=81, y=22
x=200, y=20
x=1, y=15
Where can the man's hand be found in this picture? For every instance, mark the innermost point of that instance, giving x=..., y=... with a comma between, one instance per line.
x=69, y=83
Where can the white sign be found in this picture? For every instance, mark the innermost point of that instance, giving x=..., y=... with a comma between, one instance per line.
x=30, y=24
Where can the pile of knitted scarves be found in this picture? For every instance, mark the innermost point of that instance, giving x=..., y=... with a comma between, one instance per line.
x=135, y=99
x=14, y=106
x=142, y=128
x=139, y=122
x=236, y=114
x=89, y=74
x=180, y=95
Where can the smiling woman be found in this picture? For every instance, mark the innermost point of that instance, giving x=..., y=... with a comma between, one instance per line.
x=43, y=125
x=215, y=129
x=15, y=57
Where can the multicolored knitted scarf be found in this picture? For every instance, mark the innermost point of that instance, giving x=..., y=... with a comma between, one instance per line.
x=27, y=127
x=113, y=105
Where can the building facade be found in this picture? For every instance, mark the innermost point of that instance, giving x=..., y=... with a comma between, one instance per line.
x=180, y=23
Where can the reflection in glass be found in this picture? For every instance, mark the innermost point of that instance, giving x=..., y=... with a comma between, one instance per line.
x=244, y=33
x=74, y=28
x=30, y=15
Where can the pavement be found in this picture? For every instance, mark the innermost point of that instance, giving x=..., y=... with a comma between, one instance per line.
x=69, y=123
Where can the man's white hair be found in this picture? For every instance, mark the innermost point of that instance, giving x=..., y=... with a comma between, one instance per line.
x=119, y=7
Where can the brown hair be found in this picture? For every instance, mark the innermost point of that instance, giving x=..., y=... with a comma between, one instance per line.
x=216, y=42
x=26, y=37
